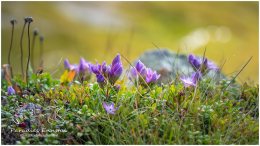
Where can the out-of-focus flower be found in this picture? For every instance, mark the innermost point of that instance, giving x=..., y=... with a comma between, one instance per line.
x=110, y=108
x=212, y=66
x=194, y=61
x=141, y=68
x=140, y=73
x=69, y=66
x=201, y=64
x=151, y=76
x=84, y=70
x=138, y=70
x=84, y=66
x=192, y=80
x=10, y=90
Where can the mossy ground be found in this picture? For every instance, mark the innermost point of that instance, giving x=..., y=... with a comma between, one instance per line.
x=166, y=114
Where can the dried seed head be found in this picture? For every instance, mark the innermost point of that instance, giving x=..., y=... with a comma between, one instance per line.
x=41, y=38
x=28, y=19
x=13, y=21
x=35, y=32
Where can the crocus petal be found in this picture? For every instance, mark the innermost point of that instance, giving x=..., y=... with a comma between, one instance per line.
x=194, y=61
x=151, y=76
x=116, y=60
x=110, y=108
x=83, y=65
x=212, y=66
x=188, y=81
x=95, y=69
x=133, y=75
x=117, y=69
x=139, y=66
x=133, y=72
x=104, y=105
x=100, y=78
x=66, y=64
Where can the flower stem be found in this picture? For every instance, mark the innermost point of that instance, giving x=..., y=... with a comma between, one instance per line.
x=33, y=45
x=11, y=44
x=29, y=53
x=41, y=50
x=21, y=46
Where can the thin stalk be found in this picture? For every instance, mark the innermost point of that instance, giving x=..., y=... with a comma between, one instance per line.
x=41, y=50
x=35, y=33
x=21, y=46
x=233, y=79
x=11, y=44
x=29, y=54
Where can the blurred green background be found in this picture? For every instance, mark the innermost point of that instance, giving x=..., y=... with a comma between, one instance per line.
x=98, y=30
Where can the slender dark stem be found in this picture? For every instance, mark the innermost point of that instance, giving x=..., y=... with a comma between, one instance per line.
x=21, y=46
x=9, y=54
x=11, y=44
x=29, y=54
x=41, y=51
x=32, y=55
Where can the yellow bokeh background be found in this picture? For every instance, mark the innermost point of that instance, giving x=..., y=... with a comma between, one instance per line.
x=99, y=30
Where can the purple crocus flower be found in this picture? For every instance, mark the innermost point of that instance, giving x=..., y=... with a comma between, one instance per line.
x=112, y=73
x=202, y=63
x=84, y=70
x=140, y=73
x=69, y=66
x=84, y=66
x=192, y=80
x=138, y=70
x=10, y=90
x=110, y=108
x=194, y=61
x=101, y=71
x=141, y=68
x=151, y=76
x=96, y=69
x=116, y=69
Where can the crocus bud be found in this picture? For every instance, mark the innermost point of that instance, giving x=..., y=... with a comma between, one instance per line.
x=66, y=64
x=116, y=69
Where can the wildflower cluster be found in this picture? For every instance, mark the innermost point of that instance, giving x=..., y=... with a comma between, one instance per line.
x=108, y=74
x=83, y=69
x=142, y=75
x=201, y=67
